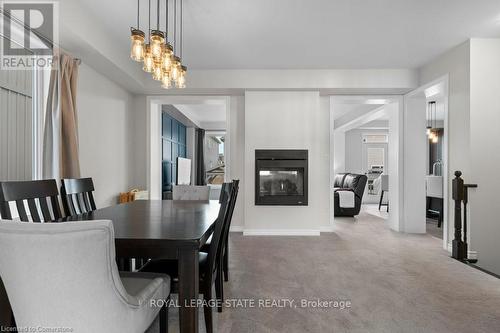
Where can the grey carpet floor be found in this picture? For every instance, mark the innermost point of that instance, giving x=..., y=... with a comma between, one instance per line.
x=395, y=283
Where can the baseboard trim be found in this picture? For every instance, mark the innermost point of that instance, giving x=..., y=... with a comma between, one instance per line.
x=470, y=254
x=236, y=228
x=328, y=228
x=280, y=232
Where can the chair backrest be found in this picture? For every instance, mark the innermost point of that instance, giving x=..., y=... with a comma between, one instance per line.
x=225, y=234
x=223, y=192
x=77, y=196
x=62, y=274
x=190, y=192
x=38, y=194
x=384, y=182
x=217, y=240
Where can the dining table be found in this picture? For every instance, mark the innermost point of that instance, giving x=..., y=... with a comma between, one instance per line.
x=164, y=229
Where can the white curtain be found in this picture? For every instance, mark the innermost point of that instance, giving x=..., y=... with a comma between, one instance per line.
x=60, y=141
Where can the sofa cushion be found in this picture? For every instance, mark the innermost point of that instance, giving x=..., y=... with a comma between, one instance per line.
x=338, y=181
x=351, y=181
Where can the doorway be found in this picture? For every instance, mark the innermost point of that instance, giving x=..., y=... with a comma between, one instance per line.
x=200, y=115
x=426, y=171
x=365, y=134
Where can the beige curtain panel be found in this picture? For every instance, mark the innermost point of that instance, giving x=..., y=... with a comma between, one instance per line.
x=60, y=146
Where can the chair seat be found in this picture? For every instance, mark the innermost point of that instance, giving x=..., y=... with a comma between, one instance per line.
x=170, y=266
x=144, y=285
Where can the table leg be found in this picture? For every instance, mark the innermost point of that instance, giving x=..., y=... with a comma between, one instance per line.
x=188, y=290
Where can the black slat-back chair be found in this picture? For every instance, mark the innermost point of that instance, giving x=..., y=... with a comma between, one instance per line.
x=224, y=258
x=77, y=196
x=208, y=262
x=42, y=194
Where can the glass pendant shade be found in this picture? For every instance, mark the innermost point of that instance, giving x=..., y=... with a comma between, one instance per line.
x=166, y=80
x=167, y=57
x=435, y=139
x=137, y=48
x=181, y=79
x=148, y=60
x=157, y=39
x=176, y=68
x=157, y=71
x=428, y=131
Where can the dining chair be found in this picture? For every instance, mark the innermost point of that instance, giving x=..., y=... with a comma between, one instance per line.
x=77, y=195
x=69, y=279
x=42, y=194
x=223, y=263
x=208, y=263
x=190, y=192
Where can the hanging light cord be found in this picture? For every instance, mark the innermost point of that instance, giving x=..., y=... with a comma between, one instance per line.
x=138, y=8
x=181, y=30
x=157, y=14
x=175, y=27
x=166, y=21
x=149, y=18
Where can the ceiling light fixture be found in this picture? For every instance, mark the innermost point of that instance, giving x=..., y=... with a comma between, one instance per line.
x=159, y=57
x=137, y=37
x=432, y=131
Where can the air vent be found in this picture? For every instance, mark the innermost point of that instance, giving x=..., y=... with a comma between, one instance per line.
x=375, y=138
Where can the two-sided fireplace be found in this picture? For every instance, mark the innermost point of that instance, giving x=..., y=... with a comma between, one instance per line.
x=281, y=177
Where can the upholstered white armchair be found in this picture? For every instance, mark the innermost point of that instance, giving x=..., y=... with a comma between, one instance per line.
x=64, y=275
x=190, y=192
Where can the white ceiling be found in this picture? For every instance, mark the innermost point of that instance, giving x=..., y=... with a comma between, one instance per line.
x=321, y=34
x=340, y=110
x=203, y=113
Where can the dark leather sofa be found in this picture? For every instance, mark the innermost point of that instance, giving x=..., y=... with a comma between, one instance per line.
x=349, y=182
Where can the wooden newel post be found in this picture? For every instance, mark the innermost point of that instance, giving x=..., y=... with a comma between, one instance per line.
x=458, y=246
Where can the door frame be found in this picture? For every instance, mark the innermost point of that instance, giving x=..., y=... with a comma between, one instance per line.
x=153, y=136
x=444, y=80
x=394, y=105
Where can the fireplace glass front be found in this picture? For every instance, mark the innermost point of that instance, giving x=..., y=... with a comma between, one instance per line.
x=281, y=182
x=281, y=177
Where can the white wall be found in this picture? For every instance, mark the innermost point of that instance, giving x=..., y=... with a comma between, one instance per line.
x=354, y=149
x=288, y=120
x=106, y=133
x=339, y=160
x=355, y=152
x=395, y=165
x=485, y=151
x=455, y=63
x=414, y=164
x=236, y=120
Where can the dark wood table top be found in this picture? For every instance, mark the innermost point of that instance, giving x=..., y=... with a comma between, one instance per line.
x=158, y=219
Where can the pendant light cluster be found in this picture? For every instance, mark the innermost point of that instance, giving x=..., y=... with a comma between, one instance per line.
x=157, y=55
x=432, y=132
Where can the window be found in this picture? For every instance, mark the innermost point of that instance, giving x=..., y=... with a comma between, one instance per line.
x=18, y=125
x=214, y=158
x=375, y=158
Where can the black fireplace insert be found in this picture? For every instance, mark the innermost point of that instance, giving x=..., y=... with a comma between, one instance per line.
x=281, y=177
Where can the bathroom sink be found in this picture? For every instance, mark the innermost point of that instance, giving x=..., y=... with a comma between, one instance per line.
x=434, y=186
